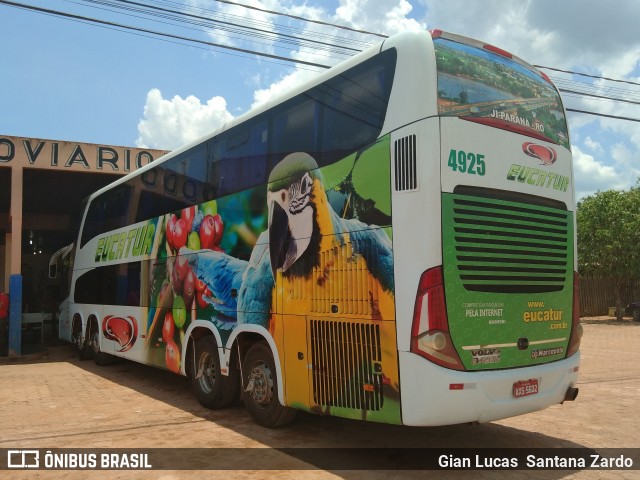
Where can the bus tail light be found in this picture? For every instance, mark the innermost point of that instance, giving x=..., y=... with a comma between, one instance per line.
x=430, y=336
x=576, y=327
x=497, y=50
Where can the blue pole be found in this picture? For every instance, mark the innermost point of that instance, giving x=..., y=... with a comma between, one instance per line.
x=15, y=315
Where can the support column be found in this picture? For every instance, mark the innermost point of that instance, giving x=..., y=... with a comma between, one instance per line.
x=15, y=278
x=16, y=220
x=15, y=315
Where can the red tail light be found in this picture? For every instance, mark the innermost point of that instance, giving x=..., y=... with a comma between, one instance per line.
x=576, y=327
x=430, y=336
x=497, y=50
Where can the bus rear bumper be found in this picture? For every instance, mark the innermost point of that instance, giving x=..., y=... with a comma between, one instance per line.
x=432, y=395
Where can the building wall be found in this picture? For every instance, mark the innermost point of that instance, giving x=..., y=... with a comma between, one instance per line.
x=23, y=154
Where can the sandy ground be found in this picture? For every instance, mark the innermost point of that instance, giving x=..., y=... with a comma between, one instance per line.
x=57, y=401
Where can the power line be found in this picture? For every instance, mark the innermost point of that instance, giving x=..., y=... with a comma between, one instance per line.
x=598, y=96
x=603, y=115
x=193, y=17
x=161, y=34
x=296, y=17
x=243, y=19
x=269, y=33
x=588, y=75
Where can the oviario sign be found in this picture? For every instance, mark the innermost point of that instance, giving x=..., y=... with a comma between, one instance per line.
x=39, y=153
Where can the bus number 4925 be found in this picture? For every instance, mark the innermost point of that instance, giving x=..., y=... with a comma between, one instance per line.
x=463, y=162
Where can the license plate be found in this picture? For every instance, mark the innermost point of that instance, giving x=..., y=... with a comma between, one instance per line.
x=524, y=388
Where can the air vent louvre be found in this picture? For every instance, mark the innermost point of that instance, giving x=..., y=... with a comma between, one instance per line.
x=406, y=178
x=347, y=369
x=507, y=246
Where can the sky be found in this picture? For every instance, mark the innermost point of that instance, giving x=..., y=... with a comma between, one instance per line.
x=72, y=80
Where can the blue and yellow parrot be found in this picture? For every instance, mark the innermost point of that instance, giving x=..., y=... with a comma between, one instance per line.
x=309, y=246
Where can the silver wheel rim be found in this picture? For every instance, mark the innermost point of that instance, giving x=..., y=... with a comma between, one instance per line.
x=262, y=378
x=208, y=379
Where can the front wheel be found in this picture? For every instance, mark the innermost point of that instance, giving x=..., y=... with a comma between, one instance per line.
x=213, y=389
x=636, y=314
x=260, y=385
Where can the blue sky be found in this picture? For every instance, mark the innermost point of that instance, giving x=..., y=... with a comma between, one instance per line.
x=68, y=80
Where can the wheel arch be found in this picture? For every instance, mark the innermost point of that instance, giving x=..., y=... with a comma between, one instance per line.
x=242, y=339
x=197, y=330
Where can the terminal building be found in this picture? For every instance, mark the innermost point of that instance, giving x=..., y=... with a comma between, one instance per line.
x=42, y=185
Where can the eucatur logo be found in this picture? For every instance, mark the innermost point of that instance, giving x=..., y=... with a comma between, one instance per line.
x=546, y=155
x=121, y=330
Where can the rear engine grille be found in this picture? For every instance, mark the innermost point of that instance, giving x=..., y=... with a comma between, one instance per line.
x=347, y=368
x=512, y=245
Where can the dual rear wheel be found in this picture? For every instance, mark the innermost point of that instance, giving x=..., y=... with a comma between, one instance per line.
x=259, y=383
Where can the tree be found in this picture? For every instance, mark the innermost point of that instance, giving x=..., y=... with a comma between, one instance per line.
x=608, y=225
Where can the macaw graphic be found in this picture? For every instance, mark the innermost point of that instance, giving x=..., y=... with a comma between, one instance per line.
x=306, y=248
x=302, y=226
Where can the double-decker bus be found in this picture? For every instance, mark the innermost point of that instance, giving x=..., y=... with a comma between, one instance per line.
x=393, y=241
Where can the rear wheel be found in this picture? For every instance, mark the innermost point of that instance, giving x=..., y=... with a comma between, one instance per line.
x=261, y=388
x=76, y=338
x=636, y=314
x=213, y=389
x=99, y=357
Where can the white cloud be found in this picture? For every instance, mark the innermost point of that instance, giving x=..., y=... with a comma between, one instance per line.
x=380, y=16
x=373, y=15
x=168, y=124
x=584, y=35
x=591, y=175
x=593, y=145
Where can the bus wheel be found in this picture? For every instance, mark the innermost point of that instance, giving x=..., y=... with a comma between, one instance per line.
x=99, y=357
x=76, y=340
x=213, y=389
x=85, y=350
x=260, y=384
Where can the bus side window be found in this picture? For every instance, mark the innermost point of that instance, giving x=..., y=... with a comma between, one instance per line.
x=355, y=105
x=240, y=158
x=107, y=212
x=110, y=285
x=295, y=126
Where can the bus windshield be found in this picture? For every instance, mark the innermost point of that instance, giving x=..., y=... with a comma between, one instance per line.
x=477, y=84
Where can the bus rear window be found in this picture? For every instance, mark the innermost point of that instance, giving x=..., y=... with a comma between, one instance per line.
x=481, y=85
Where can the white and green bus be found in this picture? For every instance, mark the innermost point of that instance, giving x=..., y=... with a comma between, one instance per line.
x=393, y=241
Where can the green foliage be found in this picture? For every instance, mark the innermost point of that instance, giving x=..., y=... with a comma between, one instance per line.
x=608, y=225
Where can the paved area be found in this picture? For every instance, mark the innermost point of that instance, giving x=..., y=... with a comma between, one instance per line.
x=57, y=401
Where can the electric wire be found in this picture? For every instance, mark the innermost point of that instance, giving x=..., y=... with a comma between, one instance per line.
x=296, y=17
x=589, y=75
x=161, y=34
x=205, y=18
x=201, y=20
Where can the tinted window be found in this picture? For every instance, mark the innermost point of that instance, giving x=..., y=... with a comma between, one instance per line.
x=330, y=121
x=107, y=212
x=110, y=285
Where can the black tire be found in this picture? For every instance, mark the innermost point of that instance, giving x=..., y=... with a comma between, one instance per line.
x=636, y=314
x=76, y=338
x=85, y=351
x=260, y=384
x=99, y=357
x=213, y=389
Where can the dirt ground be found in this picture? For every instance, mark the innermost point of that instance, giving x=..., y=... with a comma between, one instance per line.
x=58, y=401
